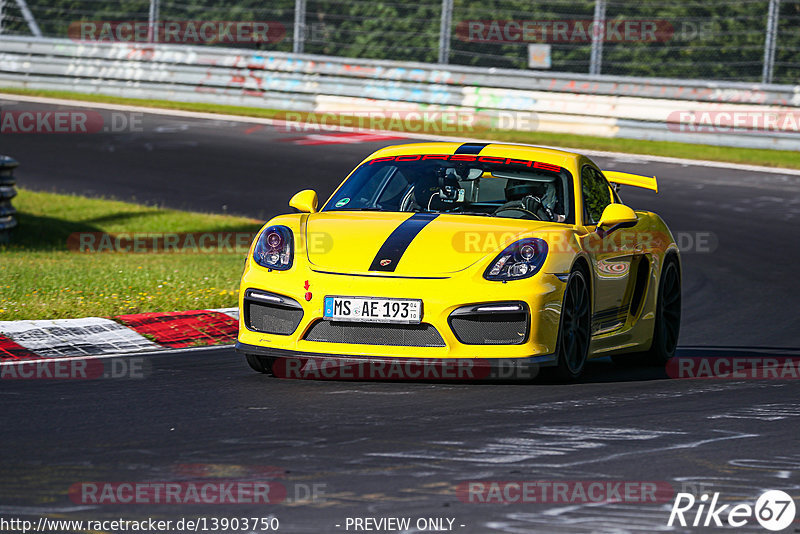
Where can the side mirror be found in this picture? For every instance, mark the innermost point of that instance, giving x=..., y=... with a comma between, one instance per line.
x=305, y=201
x=616, y=214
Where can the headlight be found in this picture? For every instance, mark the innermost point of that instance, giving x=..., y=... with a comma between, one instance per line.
x=274, y=248
x=520, y=260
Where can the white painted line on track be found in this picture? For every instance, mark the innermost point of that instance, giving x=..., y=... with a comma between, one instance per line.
x=431, y=137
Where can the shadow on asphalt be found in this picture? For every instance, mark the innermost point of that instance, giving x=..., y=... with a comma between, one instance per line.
x=603, y=370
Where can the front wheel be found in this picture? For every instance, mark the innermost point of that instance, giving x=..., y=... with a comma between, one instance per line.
x=574, y=330
x=260, y=364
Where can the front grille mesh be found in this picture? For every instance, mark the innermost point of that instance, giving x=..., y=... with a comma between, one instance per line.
x=272, y=319
x=490, y=329
x=400, y=335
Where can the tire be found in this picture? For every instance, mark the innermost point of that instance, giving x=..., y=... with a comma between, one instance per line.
x=574, y=330
x=668, y=315
x=260, y=364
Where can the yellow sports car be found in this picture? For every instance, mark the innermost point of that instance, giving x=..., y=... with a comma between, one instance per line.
x=496, y=255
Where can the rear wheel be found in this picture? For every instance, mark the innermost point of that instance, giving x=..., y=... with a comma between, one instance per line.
x=260, y=364
x=574, y=331
x=668, y=321
x=668, y=315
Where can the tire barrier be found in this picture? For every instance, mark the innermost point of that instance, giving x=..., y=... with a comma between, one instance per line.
x=8, y=220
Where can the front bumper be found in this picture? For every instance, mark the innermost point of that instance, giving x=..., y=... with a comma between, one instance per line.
x=355, y=367
x=542, y=295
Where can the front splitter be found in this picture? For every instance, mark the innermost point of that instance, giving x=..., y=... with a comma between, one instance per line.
x=297, y=364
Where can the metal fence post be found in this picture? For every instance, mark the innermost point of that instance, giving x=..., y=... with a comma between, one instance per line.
x=598, y=35
x=444, y=31
x=28, y=16
x=771, y=41
x=7, y=192
x=299, y=37
x=152, y=21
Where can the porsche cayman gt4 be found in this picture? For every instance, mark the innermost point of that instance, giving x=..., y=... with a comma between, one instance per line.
x=442, y=252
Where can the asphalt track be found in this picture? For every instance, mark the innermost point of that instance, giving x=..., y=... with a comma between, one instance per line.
x=399, y=449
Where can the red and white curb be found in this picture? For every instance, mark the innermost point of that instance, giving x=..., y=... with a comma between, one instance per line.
x=99, y=336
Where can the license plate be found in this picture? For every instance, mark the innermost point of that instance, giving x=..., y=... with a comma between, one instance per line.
x=373, y=310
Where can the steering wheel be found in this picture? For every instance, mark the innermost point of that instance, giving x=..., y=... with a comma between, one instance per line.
x=530, y=207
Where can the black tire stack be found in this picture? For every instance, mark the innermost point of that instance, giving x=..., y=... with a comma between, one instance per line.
x=7, y=220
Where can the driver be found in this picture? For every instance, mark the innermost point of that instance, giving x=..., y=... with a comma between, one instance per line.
x=538, y=198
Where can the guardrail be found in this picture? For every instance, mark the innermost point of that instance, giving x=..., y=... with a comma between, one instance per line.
x=731, y=114
x=7, y=220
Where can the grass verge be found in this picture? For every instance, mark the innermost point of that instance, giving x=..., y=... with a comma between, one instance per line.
x=753, y=156
x=41, y=279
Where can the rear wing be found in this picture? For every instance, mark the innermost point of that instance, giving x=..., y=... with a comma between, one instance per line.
x=636, y=180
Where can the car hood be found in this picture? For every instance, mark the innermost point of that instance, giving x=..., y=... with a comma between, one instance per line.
x=407, y=244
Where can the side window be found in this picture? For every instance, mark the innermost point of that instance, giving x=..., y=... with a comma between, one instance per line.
x=596, y=194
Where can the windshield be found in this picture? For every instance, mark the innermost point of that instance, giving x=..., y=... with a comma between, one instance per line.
x=514, y=190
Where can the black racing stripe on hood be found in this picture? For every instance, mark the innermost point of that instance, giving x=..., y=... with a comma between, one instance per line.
x=398, y=241
x=471, y=148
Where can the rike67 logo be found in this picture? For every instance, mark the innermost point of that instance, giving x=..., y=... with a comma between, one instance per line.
x=774, y=510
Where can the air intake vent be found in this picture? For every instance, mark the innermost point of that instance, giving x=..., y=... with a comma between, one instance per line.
x=271, y=314
x=400, y=335
x=502, y=323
